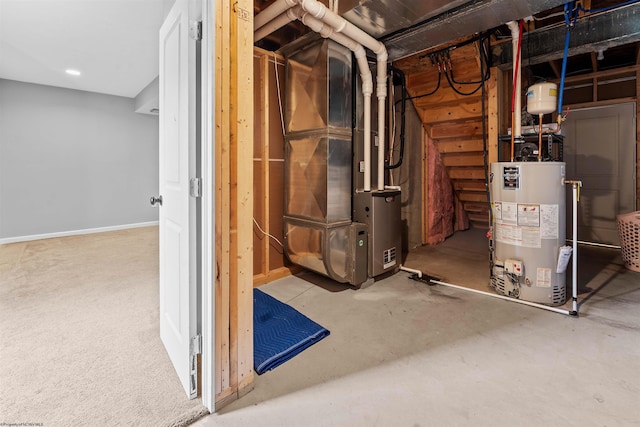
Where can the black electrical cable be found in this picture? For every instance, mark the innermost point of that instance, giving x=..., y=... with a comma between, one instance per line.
x=482, y=37
x=483, y=54
x=403, y=82
x=484, y=75
x=484, y=155
x=458, y=91
x=424, y=94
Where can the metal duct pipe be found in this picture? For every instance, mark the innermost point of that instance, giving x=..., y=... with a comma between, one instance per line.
x=327, y=31
x=517, y=76
x=341, y=25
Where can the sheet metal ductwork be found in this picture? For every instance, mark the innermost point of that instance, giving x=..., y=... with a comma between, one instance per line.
x=332, y=225
x=319, y=233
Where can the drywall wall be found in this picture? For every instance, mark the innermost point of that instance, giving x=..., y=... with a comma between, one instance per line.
x=148, y=100
x=73, y=160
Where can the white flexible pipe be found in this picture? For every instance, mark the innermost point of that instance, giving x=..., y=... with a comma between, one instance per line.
x=411, y=270
x=517, y=76
x=381, y=148
x=574, y=265
x=272, y=12
x=280, y=21
x=503, y=297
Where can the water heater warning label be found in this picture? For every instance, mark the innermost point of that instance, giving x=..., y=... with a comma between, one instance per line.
x=529, y=215
x=525, y=224
x=549, y=226
x=528, y=237
x=511, y=177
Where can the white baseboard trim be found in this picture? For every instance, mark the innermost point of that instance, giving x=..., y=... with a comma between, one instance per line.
x=76, y=232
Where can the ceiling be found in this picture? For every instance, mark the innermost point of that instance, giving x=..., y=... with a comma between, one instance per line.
x=113, y=43
x=409, y=28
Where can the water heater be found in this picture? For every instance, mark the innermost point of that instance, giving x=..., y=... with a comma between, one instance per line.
x=528, y=230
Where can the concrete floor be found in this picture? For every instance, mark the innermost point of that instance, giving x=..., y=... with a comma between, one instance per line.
x=402, y=353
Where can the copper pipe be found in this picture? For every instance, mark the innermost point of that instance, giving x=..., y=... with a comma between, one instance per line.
x=540, y=138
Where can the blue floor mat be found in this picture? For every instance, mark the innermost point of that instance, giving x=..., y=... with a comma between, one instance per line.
x=280, y=332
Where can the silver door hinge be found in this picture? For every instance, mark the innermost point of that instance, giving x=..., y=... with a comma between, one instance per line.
x=195, y=30
x=196, y=345
x=195, y=187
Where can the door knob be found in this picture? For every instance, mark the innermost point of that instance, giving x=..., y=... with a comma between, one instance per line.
x=156, y=201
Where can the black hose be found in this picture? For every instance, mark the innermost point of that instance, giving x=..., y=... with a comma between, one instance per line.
x=484, y=155
x=459, y=92
x=483, y=53
x=484, y=75
x=424, y=94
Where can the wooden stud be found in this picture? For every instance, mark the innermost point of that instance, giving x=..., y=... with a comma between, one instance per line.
x=492, y=116
x=222, y=202
x=242, y=141
x=234, y=199
x=264, y=101
x=425, y=186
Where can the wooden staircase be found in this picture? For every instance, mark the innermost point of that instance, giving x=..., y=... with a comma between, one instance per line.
x=454, y=123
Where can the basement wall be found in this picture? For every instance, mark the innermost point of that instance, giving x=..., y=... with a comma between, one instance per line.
x=73, y=161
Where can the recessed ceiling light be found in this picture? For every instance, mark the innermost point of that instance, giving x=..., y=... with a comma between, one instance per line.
x=72, y=72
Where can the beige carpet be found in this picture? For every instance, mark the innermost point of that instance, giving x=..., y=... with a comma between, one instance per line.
x=79, y=334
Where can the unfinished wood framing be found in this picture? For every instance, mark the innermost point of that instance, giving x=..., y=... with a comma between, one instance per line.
x=268, y=164
x=234, y=373
x=454, y=122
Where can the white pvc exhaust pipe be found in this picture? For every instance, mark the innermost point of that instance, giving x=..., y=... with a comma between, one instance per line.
x=365, y=74
x=517, y=76
x=280, y=21
x=272, y=12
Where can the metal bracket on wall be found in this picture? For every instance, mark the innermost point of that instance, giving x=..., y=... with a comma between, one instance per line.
x=195, y=187
x=195, y=348
x=195, y=30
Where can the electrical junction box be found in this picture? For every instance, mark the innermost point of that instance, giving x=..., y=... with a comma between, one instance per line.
x=514, y=267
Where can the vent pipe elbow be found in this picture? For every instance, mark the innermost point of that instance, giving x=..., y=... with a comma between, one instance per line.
x=315, y=8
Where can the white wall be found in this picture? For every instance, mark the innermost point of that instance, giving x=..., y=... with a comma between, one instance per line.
x=73, y=160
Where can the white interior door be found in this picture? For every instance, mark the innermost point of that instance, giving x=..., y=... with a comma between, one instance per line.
x=178, y=124
x=599, y=150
